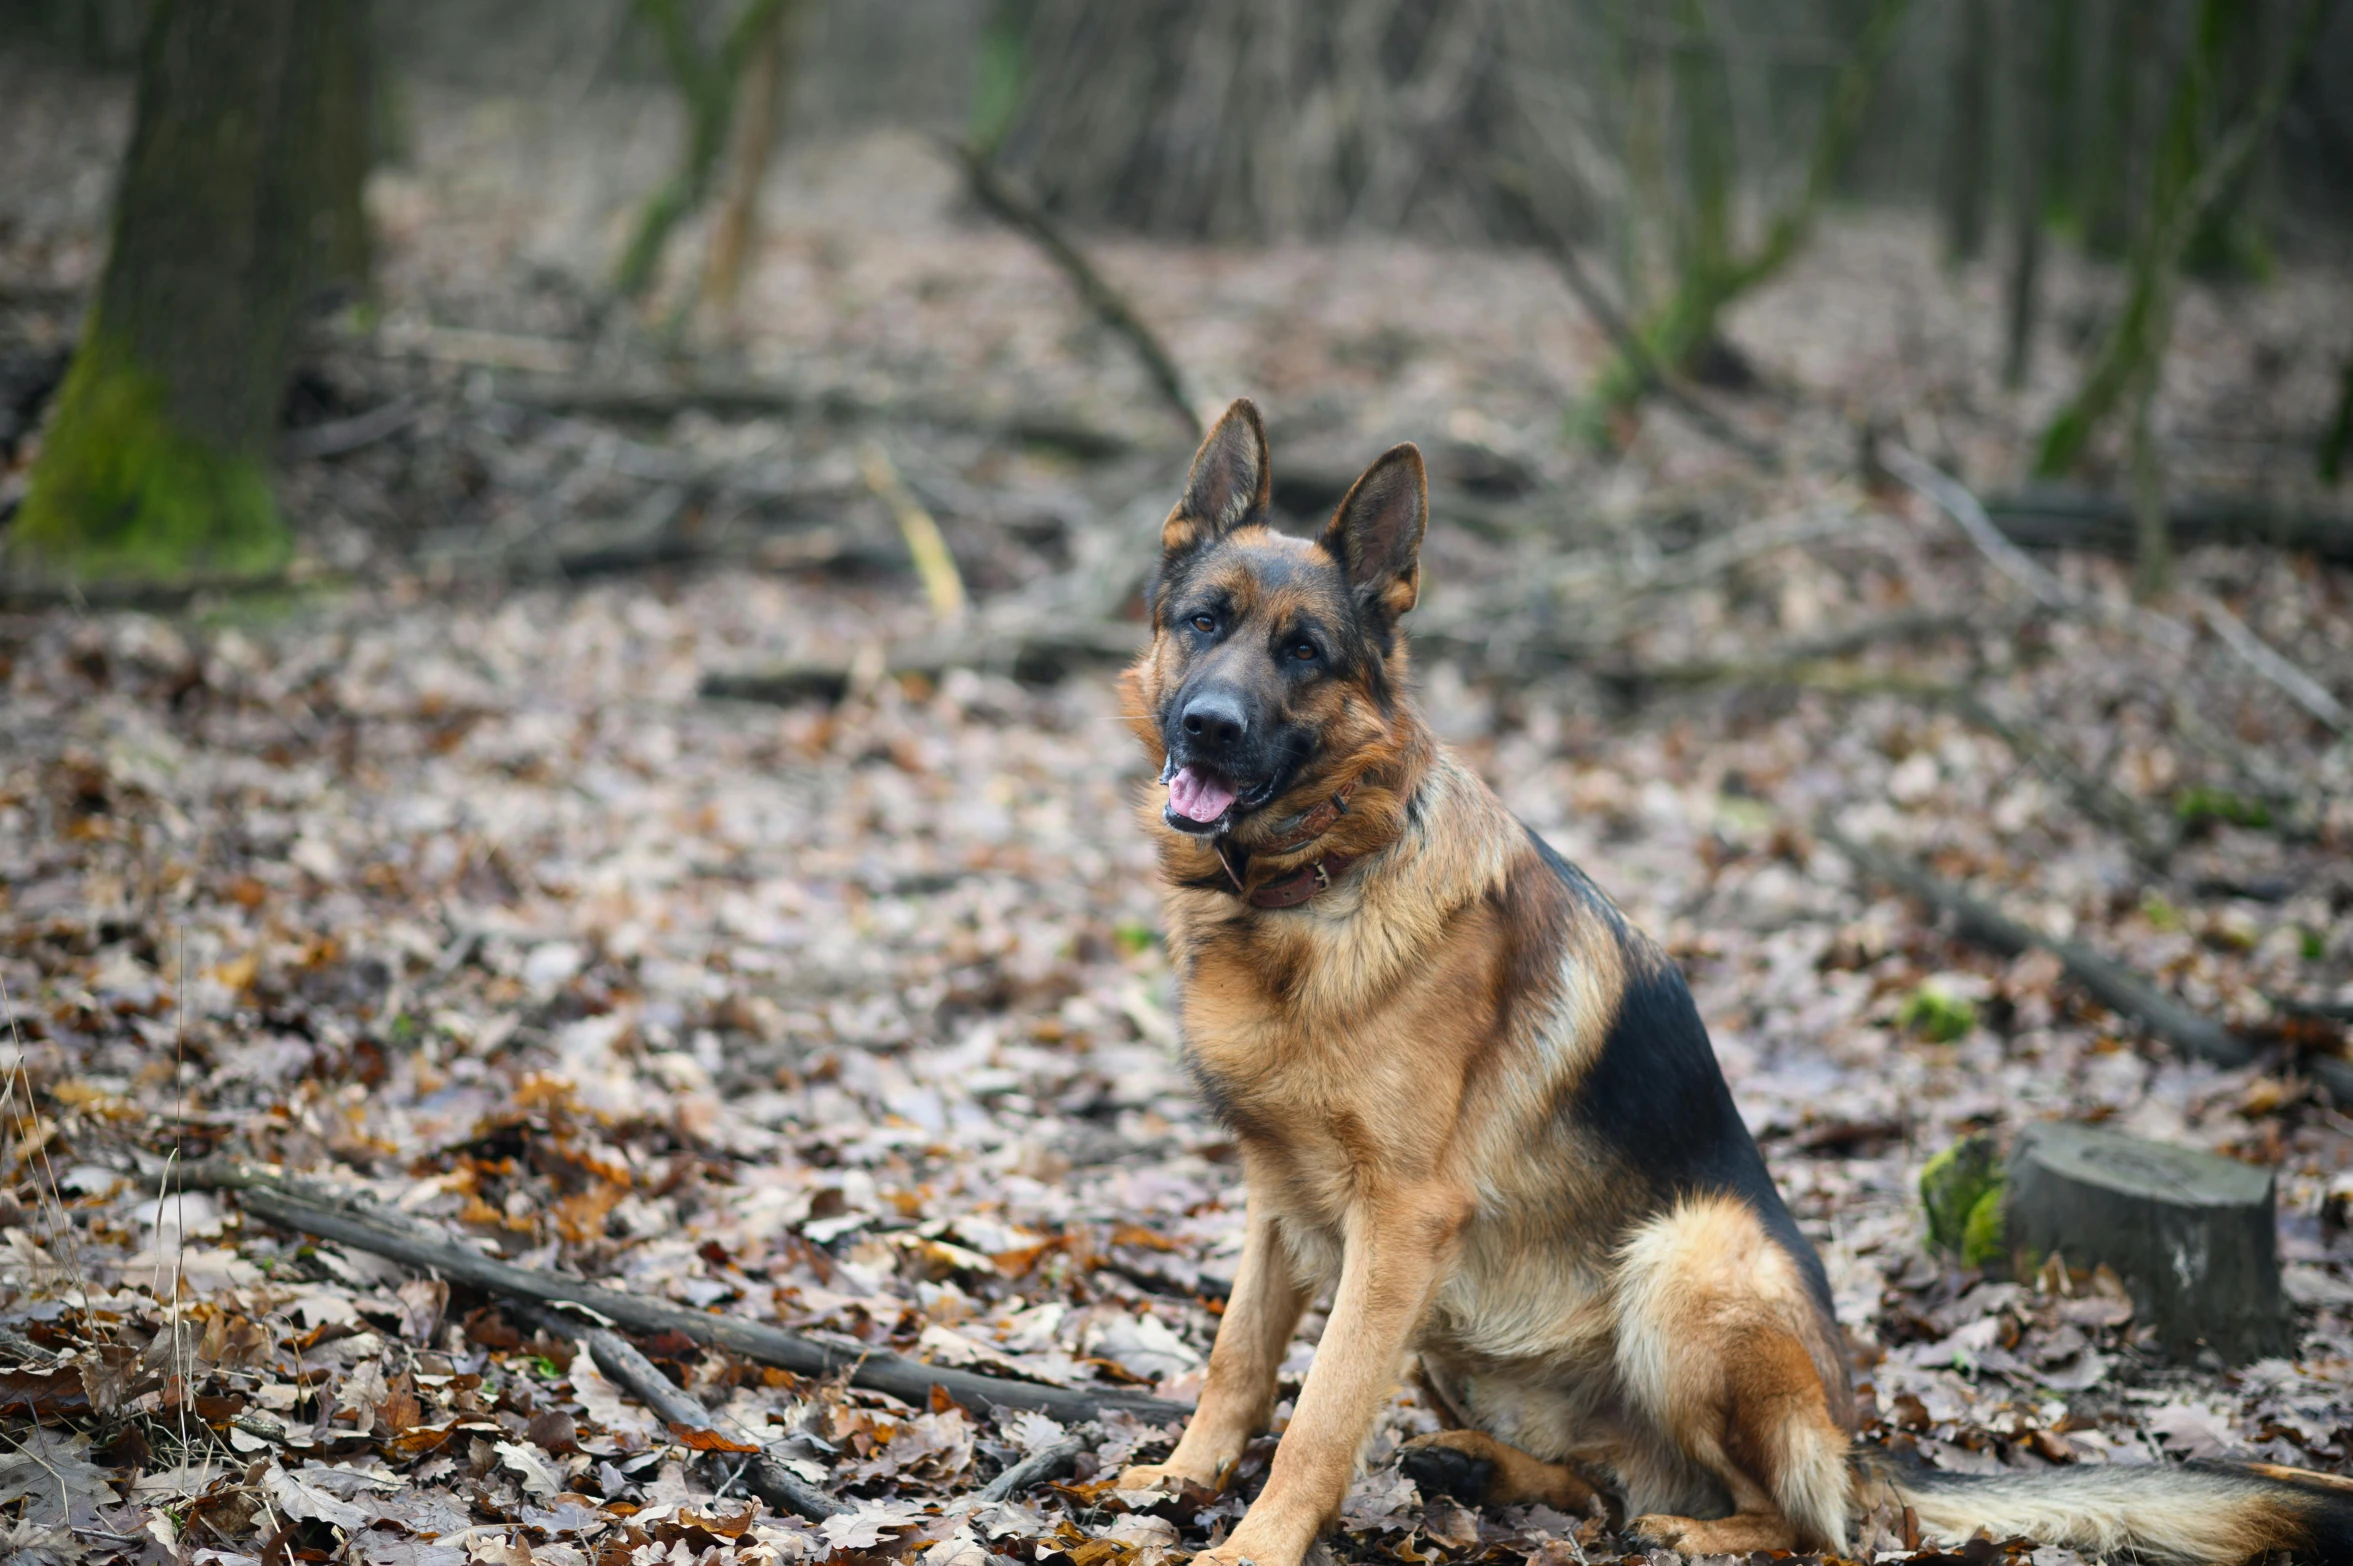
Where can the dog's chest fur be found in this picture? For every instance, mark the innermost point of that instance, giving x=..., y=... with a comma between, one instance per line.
x=1408, y=1027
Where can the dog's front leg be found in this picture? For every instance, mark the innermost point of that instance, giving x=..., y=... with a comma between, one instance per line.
x=1238, y=1395
x=1398, y=1246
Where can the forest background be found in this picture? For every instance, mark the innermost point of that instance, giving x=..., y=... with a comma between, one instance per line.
x=560, y=571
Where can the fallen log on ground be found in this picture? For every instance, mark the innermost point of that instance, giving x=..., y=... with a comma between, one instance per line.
x=2113, y=984
x=2058, y=518
x=294, y=1205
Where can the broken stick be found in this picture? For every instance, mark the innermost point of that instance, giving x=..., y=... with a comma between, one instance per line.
x=639, y=1376
x=300, y=1207
x=1052, y=1463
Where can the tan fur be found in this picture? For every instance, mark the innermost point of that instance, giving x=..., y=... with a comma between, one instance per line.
x=1395, y=1058
x=1519, y=1479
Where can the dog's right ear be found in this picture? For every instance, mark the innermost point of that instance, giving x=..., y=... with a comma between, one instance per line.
x=1228, y=485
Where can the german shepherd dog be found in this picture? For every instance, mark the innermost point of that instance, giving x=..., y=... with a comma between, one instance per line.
x=1482, y=1108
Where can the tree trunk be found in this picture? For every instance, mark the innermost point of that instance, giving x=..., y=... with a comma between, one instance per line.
x=708, y=84
x=1686, y=320
x=738, y=221
x=2037, y=49
x=2112, y=171
x=2189, y=180
x=1270, y=119
x=239, y=193
x=1968, y=129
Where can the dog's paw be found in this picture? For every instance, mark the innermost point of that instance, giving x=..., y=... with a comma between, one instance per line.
x=1167, y=1477
x=1438, y=1469
x=1659, y=1531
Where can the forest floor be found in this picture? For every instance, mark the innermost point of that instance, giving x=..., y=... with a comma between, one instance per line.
x=437, y=879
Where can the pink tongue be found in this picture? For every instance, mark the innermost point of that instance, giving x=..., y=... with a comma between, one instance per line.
x=1198, y=798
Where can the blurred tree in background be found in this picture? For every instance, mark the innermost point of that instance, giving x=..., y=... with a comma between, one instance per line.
x=240, y=199
x=1687, y=148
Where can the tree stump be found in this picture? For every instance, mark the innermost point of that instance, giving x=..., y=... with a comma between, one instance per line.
x=2192, y=1235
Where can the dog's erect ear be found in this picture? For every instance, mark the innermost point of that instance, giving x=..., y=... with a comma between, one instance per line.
x=1376, y=535
x=1228, y=482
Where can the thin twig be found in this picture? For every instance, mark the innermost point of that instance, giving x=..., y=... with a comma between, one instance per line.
x=1963, y=507
x=1955, y=500
x=942, y=583
x=2259, y=655
x=630, y=1370
x=993, y=190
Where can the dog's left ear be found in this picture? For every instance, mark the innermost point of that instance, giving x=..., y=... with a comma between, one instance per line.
x=1376, y=535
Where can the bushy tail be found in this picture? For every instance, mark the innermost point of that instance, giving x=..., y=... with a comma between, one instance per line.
x=2197, y=1514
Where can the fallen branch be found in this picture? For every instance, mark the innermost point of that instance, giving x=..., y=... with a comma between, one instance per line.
x=2266, y=660
x=2163, y=630
x=1956, y=501
x=338, y=436
x=995, y=192
x=1040, y=654
x=626, y=1368
x=2114, y=985
x=290, y=1204
x=1052, y=1463
x=2054, y=517
x=746, y=396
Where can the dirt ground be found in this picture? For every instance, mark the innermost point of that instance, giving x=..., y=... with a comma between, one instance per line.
x=437, y=879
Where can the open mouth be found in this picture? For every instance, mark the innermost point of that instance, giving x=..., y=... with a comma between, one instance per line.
x=1202, y=801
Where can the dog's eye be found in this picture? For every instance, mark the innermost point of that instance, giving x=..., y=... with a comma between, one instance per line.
x=1303, y=651
x=1205, y=623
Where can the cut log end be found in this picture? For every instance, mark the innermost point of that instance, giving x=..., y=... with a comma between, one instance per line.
x=2191, y=1234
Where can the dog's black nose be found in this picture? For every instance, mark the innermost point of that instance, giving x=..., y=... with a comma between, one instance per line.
x=1215, y=718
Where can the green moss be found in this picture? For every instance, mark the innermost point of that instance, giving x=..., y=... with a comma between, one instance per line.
x=1982, y=1233
x=1961, y=1188
x=1937, y=1015
x=122, y=494
x=2200, y=806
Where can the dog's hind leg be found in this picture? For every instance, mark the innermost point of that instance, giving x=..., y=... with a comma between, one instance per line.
x=1713, y=1345
x=1475, y=1468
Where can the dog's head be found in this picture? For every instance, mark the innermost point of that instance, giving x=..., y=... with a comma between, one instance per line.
x=1276, y=669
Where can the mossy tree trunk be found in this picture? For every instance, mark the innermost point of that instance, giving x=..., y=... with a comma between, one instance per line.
x=239, y=196
x=1712, y=276
x=707, y=80
x=2191, y=177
